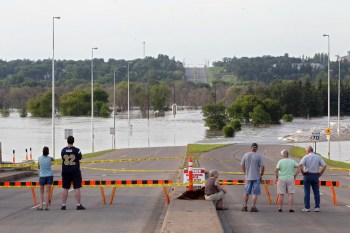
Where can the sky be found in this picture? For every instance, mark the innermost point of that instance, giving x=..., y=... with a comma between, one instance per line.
x=195, y=32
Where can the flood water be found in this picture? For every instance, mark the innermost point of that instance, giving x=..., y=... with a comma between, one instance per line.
x=186, y=127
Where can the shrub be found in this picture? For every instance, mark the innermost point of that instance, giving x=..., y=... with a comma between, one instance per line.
x=287, y=117
x=228, y=131
x=236, y=124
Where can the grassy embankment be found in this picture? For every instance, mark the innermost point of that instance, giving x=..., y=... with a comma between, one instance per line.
x=299, y=152
x=195, y=150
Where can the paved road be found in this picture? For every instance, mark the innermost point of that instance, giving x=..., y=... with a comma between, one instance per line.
x=134, y=209
x=330, y=219
x=196, y=75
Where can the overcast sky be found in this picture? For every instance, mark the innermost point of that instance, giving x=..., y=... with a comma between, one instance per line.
x=194, y=31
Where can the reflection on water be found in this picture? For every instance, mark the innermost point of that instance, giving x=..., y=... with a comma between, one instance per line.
x=187, y=127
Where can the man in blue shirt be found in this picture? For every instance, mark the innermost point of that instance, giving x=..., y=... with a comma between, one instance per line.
x=71, y=173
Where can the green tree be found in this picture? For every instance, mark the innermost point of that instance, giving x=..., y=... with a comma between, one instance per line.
x=41, y=106
x=159, y=97
x=214, y=116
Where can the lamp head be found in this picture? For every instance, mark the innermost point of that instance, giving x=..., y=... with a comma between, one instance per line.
x=95, y=48
x=325, y=35
x=57, y=17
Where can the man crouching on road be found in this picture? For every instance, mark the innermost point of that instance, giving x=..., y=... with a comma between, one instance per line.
x=253, y=168
x=213, y=191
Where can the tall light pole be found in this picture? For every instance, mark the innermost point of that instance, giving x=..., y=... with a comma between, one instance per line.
x=144, y=49
x=329, y=95
x=129, y=95
x=53, y=85
x=92, y=99
x=114, y=110
x=338, y=129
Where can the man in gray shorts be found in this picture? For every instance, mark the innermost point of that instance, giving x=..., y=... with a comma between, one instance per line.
x=253, y=168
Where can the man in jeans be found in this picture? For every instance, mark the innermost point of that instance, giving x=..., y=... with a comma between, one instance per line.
x=253, y=168
x=310, y=168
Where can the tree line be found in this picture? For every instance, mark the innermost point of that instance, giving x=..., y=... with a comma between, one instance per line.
x=298, y=84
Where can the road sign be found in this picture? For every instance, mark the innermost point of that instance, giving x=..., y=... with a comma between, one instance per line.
x=315, y=136
x=328, y=131
x=198, y=175
x=67, y=133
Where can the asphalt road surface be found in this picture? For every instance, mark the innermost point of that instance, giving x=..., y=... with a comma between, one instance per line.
x=269, y=220
x=133, y=209
x=196, y=75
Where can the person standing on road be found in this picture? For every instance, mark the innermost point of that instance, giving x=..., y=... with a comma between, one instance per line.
x=285, y=179
x=253, y=167
x=71, y=157
x=213, y=191
x=45, y=178
x=310, y=168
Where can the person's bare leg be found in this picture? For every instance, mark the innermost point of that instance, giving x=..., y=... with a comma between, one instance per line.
x=41, y=197
x=290, y=200
x=47, y=195
x=246, y=198
x=77, y=195
x=64, y=196
x=280, y=200
x=254, y=200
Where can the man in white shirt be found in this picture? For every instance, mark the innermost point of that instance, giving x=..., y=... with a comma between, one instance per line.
x=310, y=168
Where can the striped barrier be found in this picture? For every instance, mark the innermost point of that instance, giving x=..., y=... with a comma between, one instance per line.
x=330, y=184
x=94, y=184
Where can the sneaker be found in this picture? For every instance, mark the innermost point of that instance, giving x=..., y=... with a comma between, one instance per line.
x=317, y=209
x=291, y=210
x=254, y=209
x=279, y=210
x=80, y=207
x=305, y=210
x=63, y=207
x=245, y=208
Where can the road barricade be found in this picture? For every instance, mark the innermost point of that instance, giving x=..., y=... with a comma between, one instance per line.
x=94, y=184
x=327, y=183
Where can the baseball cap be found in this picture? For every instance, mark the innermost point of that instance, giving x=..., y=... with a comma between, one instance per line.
x=254, y=145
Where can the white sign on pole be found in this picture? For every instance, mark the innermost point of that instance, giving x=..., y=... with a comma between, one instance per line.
x=67, y=133
x=315, y=136
x=198, y=176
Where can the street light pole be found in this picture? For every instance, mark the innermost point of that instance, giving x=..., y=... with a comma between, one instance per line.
x=338, y=96
x=92, y=99
x=144, y=49
x=53, y=85
x=329, y=95
x=114, y=110
x=129, y=95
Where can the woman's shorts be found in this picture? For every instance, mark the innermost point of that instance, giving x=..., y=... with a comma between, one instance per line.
x=44, y=180
x=285, y=186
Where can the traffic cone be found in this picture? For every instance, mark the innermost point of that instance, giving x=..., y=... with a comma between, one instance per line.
x=190, y=174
